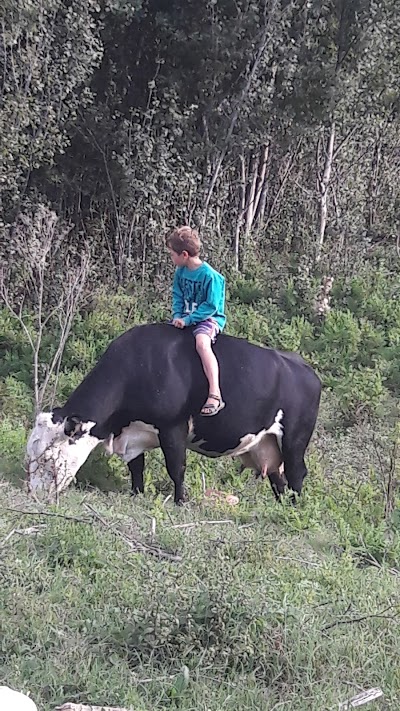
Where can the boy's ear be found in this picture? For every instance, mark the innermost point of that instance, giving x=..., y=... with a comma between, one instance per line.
x=185, y=254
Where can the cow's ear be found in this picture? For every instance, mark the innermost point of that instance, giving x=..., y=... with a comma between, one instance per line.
x=72, y=426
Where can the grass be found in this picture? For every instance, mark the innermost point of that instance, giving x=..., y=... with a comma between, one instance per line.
x=277, y=608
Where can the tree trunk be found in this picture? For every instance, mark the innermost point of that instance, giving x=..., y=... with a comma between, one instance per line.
x=251, y=192
x=236, y=112
x=323, y=190
x=373, y=182
x=261, y=191
x=242, y=207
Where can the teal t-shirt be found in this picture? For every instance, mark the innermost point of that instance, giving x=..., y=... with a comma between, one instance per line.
x=198, y=294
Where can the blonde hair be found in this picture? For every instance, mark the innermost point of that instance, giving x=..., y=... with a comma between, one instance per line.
x=184, y=239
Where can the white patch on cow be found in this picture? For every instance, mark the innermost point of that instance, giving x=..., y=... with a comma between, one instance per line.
x=197, y=446
x=53, y=459
x=136, y=438
x=247, y=442
x=250, y=440
x=262, y=452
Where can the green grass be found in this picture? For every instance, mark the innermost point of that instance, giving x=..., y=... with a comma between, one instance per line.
x=282, y=607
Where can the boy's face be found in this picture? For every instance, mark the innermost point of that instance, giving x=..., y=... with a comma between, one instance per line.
x=179, y=259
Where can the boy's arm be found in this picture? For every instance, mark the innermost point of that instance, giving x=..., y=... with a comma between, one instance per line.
x=178, y=303
x=209, y=307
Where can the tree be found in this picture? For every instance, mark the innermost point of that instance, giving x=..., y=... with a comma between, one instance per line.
x=48, y=50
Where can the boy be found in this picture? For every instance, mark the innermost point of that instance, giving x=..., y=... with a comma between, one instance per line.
x=198, y=299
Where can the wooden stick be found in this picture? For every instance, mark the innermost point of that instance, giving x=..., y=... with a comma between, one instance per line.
x=363, y=618
x=132, y=542
x=199, y=523
x=85, y=707
x=364, y=698
x=50, y=513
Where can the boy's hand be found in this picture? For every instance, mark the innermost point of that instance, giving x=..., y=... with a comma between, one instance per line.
x=178, y=323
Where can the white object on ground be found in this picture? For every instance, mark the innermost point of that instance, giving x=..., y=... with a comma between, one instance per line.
x=366, y=697
x=11, y=700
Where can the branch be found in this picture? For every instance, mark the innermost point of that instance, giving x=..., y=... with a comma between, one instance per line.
x=133, y=543
x=235, y=114
x=49, y=513
x=380, y=615
x=284, y=180
x=18, y=316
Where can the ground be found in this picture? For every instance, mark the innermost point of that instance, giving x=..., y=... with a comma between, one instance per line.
x=266, y=606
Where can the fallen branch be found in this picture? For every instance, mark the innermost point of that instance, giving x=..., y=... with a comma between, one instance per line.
x=50, y=513
x=364, y=698
x=199, y=523
x=379, y=615
x=84, y=707
x=369, y=558
x=132, y=542
x=302, y=561
x=23, y=532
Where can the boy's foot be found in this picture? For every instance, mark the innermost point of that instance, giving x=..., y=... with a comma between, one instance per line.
x=209, y=408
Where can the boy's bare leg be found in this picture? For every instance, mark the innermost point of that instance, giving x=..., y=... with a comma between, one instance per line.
x=210, y=366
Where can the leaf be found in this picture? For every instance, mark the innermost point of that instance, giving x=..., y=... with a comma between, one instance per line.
x=181, y=683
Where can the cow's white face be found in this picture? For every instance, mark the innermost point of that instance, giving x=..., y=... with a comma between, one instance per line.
x=54, y=457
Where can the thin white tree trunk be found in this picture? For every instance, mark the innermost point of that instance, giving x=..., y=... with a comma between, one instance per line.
x=261, y=183
x=242, y=207
x=282, y=185
x=323, y=189
x=253, y=171
x=373, y=181
x=264, y=40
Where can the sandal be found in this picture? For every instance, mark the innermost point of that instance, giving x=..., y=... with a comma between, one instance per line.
x=209, y=409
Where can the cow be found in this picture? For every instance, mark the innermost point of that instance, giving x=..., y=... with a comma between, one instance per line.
x=147, y=390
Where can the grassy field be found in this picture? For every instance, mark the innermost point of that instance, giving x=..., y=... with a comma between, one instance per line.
x=257, y=606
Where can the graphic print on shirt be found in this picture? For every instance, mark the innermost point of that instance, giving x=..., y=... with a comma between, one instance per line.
x=192, y=294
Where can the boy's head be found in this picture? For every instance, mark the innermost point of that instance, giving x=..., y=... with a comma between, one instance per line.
x=183, y=243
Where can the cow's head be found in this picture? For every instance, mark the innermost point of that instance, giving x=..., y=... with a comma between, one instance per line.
x=56, y=449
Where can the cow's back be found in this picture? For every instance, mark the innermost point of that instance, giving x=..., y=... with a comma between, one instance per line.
x=154, y=374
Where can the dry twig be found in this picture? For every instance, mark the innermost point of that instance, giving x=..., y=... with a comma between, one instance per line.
x=361, y=699
x=199, y=523
x=132, y=542
x=50, y=513
x=352, y=620
x=86, y=707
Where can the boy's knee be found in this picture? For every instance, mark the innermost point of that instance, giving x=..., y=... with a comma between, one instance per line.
x=203, y=344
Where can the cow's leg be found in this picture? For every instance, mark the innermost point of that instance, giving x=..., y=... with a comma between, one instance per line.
x=136, y=467
x=173, y=444
x=295, y=471
x=277, y=484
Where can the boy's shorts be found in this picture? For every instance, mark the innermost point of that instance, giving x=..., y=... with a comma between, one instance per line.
x=209, y=327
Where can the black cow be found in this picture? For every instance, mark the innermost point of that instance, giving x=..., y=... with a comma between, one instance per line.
x=146, y=391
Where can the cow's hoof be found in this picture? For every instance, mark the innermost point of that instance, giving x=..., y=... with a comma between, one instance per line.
x=135, y=493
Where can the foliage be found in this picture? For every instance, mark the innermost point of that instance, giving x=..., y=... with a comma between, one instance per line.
x=131, y=116
x=48, y=51
x=284, y=609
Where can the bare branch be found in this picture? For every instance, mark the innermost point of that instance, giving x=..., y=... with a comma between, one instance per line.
x=37, y=241
x=262, y=45
x=132, y=542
